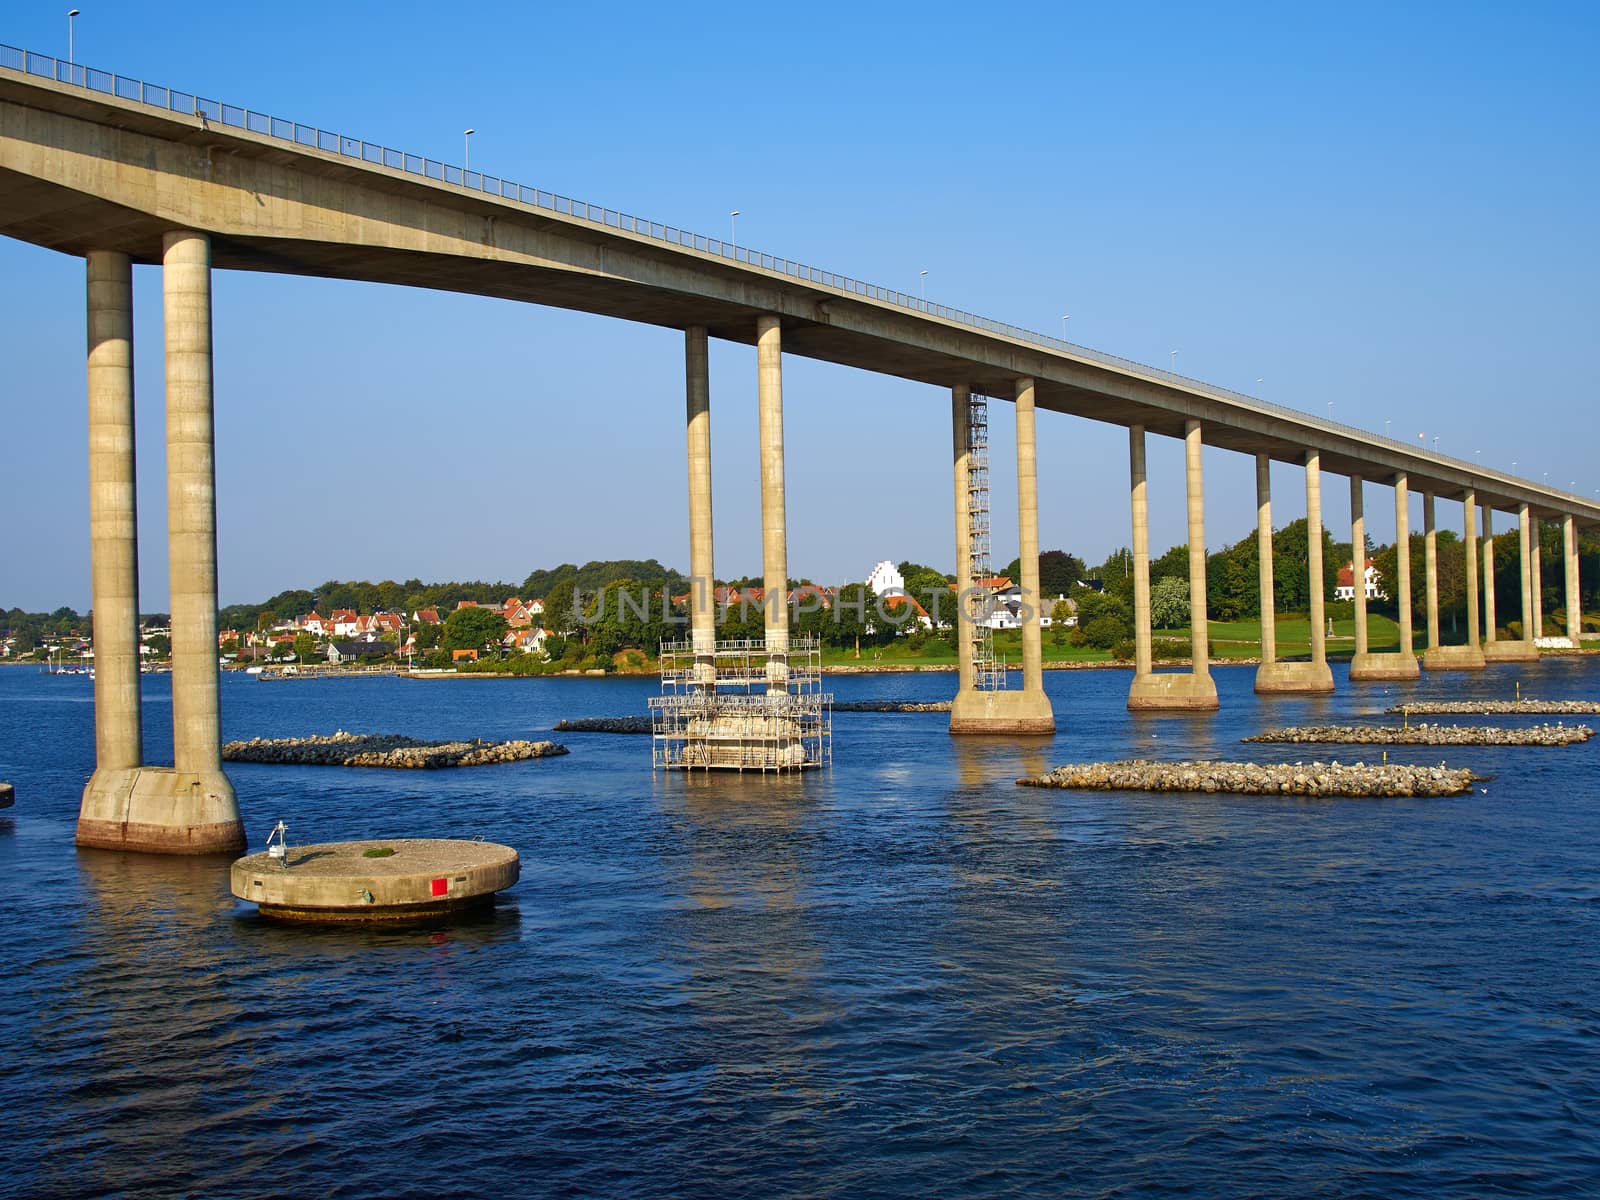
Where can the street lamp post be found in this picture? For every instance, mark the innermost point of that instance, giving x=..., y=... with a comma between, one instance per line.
x=1065, y=317
x=71, y=16
x=1174, y=355
x=466, y=153
x=924, y=282
x=733, y=231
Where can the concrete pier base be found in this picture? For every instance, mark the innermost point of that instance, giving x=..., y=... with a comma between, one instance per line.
x=1498, y=651
x=1453, y=658
x=417, y=879
x=1010, y=713
x=1373, y=668
x=1173, y=691
x=1294, y=678
x=158, y=810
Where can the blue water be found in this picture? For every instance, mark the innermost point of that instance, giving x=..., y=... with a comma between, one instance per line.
x=905, y=976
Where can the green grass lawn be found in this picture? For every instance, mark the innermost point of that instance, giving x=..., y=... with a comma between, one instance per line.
x=1229, y=639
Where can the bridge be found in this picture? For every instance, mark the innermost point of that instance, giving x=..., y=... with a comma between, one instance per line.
x=119, y=171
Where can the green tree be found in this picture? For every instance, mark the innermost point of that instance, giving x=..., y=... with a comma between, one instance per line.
x=473, y=628
x=1060, y=614
x=305, y=646
x=1169, y=603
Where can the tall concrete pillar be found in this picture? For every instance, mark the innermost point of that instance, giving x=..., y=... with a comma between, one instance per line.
x=1028, y=710
x=1312, y=677
x=1194, y=691
x=1489, y=632
x=1536, y=569
x=191, y=506
x=1140, y=501
x=1028, y=537
x=190, y=809
x=1319, y=612
x=113, y=536
x=1199, y=633
x=774, y=521
x=1468, y=657
x=1469, y=521
x=1269, y=605
x=1569, y=542
x=1358, y=562
x=1530, y=567
x=1496, y=649
x=1402, y=541
x=702, y=567
x=961, y=458
x=1430, y=567
x=1401, y=664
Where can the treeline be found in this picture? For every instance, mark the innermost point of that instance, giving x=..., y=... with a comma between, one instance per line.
x=28, y=631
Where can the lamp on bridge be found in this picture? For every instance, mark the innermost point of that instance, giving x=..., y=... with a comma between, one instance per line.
x=71, y=16
x=733, y=232
x=466, y=153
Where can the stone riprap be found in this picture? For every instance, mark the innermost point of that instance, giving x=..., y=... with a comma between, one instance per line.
x=343, y=749
x=604, y=725
x=1258, y=779
x=1428, y=735
x=1434, y=708
x=892, y=706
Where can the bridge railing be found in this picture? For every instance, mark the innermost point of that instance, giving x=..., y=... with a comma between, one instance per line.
x=217, y=112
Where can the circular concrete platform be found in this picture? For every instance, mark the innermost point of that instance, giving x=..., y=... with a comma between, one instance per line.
x=424, y=878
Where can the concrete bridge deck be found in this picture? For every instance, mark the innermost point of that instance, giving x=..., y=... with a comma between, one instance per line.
x=103, y=162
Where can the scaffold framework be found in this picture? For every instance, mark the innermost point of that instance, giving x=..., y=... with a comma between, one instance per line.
x=741, y=707
x=988, y=671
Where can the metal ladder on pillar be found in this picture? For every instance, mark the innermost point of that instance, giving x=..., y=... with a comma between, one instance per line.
x=988, y=672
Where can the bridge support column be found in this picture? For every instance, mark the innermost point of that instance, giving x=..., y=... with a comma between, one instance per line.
x=1496, y=649
x=1402, y=663
x=1193, y=690
x=1269, y=604
x=1536, y=569
x=1430, y=569
x=774, y=519
x=1529, y=565
x=1027, y=711
x=1470, y=656
x=1569, y=543
x=190, y=809
x=702, y=567
x=1139, y=501
x=1489, y=632
x=1314, y=677
x=113, y=542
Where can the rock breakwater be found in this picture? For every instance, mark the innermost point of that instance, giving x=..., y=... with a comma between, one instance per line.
x=1428, y=735
x=604, y=725
x=343, y=749
x=1258, y=779
x=1435, y=708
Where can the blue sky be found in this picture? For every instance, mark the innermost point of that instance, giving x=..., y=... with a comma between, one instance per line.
x=1390, y=208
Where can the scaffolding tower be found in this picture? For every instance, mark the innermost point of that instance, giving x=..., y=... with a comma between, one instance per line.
x=988, y=671
x=743, y=707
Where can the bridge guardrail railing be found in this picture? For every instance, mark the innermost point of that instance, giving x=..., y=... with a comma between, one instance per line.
x=189, y=104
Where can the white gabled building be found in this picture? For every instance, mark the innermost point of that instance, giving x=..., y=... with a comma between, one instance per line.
x=885, y=578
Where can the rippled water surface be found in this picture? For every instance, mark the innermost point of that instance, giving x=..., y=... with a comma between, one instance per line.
x=903, y=976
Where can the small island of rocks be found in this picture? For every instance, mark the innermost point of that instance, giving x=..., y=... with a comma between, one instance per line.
x=1258, y=779
x=343, y=749
x=1428, y=735
x=1436, y=708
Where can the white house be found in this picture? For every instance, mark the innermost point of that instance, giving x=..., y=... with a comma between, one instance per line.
x=1346, y=590
x=885, y=578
